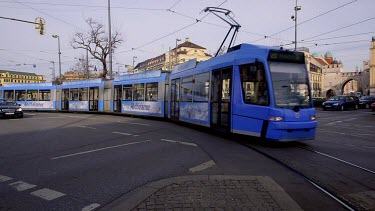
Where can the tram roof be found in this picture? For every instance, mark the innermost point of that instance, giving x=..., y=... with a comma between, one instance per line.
x=238, y=52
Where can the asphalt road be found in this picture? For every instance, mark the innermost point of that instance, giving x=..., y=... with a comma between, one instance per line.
x=67, y=161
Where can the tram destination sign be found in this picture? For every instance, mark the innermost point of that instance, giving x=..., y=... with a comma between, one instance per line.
x=286, y=56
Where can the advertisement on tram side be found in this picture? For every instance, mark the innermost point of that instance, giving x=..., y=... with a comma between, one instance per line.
x=142, y=107
x=79, y=105
x=37, y=104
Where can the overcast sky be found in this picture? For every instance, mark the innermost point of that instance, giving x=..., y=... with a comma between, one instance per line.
x=148, y=26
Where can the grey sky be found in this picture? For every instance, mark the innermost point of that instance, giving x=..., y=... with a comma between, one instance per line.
x=139, y=23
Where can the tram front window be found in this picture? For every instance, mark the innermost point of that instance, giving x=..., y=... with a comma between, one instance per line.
x=290, y=84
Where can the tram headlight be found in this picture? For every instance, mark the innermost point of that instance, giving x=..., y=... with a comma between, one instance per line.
x=276, y=118
x=312, y=118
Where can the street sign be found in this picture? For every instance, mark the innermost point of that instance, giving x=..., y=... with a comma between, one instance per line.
x=40, y=26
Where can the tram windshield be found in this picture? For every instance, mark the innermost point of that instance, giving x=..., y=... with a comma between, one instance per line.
x=290, y=84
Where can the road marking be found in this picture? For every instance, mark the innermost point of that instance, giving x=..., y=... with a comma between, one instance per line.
x=47, y=194
x=332, y=123
x=100, y=149
x=345, y=134
x=13, y=119
x=203, y=166
x=338, y=159
x=132, y=123
x=31, y=114
x=125, y=134
x=82, y=126
x=52, y=117
x=5, y=178
x=180, y=142
x=21, y=186
x=91, y=207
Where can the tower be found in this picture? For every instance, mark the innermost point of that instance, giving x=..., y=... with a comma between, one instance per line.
x=372, y=67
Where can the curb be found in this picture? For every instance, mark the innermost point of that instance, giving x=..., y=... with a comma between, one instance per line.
x=136, y=196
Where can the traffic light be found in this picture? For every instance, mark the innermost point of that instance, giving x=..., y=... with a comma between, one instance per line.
x=40, y=26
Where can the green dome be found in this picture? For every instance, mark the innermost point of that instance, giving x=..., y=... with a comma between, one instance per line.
x=328, y=55
x=315, y=55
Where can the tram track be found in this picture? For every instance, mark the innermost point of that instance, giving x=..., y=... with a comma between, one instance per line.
x=323, y=172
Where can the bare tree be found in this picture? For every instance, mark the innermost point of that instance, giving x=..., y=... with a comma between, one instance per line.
x=81, y=67
x=96, y=42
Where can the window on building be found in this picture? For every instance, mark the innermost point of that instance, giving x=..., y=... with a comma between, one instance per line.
x=139, y=92
x=254, y=84
x=152, y=91
x=187, y=89
x=20, y=95
x=44, y=95
x=127, y=92
x=32, y=95
x=201, y=87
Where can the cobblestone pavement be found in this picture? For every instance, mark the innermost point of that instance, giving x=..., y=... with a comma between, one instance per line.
x=220, y=193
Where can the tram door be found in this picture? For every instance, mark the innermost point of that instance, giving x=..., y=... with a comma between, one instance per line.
x=220, y=99
x=65, y=100
x=175, y=99
x=117, y=99
x=94, y=98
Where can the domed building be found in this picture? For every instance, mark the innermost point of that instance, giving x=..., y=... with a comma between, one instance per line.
x=328, y=57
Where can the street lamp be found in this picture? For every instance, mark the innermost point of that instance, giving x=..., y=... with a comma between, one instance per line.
x=53, y=70
x=176, y=49
x=58, y=40
x=294, y=18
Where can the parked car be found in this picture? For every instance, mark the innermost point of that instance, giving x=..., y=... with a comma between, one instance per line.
x=365, y=101
x=340, y=102
x=373, y=106
x=9, y=108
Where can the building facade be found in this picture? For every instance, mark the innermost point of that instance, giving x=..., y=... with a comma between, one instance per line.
x=182, y=53
x=7, y=76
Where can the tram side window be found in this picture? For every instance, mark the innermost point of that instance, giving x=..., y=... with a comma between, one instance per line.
x=9, y=94
x=187, y=89
x=201, y=87
x=20, y=95
x=254, y=84
x=83, y=94
x=128, y=92
x=32, y=95
x=152, y=91
x=139, y=92
x=74, y=94
x=44, y=95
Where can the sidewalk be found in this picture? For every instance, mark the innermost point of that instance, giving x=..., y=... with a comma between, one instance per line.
x=207, y=192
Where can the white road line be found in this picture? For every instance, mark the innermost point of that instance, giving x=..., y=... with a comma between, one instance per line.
x=21, y=186
x=132, y=123
x=31, y=114
x=345, y=134
x=51, y=117
x=90, y=207
x=203, y=166
x=82, y=126
x=338, y=159
x=47, y=194
x=125, y=134
x=180, y=142
x=5, y=178
x=332, y=123
x=96, y=150
x=14, y=119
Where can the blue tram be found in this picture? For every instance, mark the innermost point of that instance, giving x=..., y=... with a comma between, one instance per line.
x=84, y=95
x=251, y=90
x=141, y=94
x=31, y=96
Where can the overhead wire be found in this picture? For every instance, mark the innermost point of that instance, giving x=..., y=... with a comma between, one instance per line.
x=344, y=27
x=303, y=22
x=50, y=16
